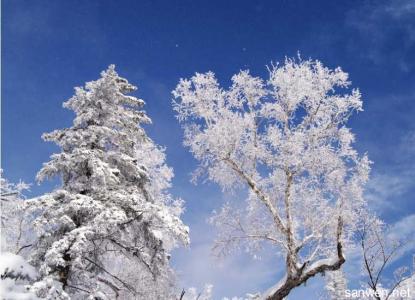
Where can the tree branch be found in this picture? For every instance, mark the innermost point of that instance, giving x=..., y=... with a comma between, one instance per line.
x=300, y=278
x=126, y=285
x=261, y=195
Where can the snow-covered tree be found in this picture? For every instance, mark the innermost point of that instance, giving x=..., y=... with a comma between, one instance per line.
x=379, y=249
x=15, y=225
x=336, y=285
x=207, y=294
x=406, y=289
x=286, y=141
x=15, y=272
x=193, y=294
x=106, y=233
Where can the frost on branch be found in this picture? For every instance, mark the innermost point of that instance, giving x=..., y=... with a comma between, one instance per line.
x=380, y=247
x=108, y=230
x=336, y=285
x=286, y=141
x=16, y=235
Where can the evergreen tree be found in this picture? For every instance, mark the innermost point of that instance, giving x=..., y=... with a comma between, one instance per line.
x=107, y=231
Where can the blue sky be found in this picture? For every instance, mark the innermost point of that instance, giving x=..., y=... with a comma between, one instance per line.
x=49, y=47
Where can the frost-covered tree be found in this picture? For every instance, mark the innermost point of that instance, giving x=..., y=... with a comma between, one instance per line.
x=16, y=239
x=406, y=289
x=379, y=249
x=106, y=233
x=15, y=225
x=336, y=285
x=15, y=274
x=286, y=141
x=193, y=294
x=207, y=294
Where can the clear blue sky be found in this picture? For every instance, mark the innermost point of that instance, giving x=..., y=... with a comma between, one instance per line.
x=48, y=47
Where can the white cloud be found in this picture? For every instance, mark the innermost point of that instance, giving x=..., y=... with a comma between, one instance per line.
x=403, y=230
x=386, y=190
x=235, y=275
x=386, y=30
x=407, y=149
x=400, y=8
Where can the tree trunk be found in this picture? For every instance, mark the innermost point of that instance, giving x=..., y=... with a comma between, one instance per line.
x=283, y=291
x=292, y=283
x=301, y=277
x=64, y=271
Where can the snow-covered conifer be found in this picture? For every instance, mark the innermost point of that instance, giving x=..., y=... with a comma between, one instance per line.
x=107, y=231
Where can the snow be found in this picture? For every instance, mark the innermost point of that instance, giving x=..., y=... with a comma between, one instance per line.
x=15, y=264
x=284, y=139
x=15, y=271
x=113, y=209
x=108, y=230
x=270, y=291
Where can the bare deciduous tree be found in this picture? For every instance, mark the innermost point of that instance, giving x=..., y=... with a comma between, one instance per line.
x=378, y=252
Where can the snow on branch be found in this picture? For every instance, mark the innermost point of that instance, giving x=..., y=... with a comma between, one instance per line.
x=285, y=140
